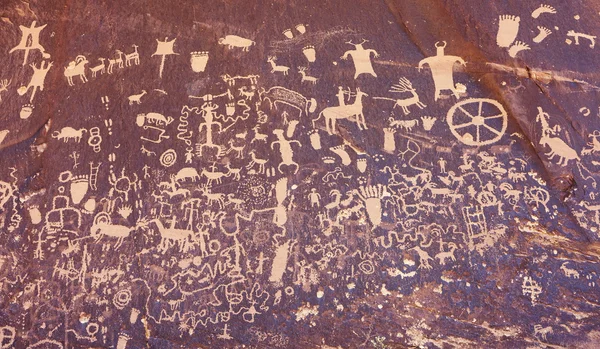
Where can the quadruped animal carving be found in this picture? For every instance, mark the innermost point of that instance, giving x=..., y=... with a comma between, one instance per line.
x=76, y=68
x=68, y=133
x=557, y=146
x=280, y=95
x=354, y=110
x=237, y=41
x=404, y=85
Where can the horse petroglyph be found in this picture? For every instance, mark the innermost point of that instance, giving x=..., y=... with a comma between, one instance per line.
x=282, y=182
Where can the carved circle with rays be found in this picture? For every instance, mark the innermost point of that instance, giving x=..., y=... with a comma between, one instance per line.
x=477, y=121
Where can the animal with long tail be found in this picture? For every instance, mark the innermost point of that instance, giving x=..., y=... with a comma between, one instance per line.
x=557, y=146
x=332, y=114
x=404, y=85
x=76, y=68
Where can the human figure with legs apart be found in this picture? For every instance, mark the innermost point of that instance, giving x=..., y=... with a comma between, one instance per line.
x=30, y=40
x=37, y=79
x=341, y=95
x=442, y=68
x=361, y=58
x=208, y=114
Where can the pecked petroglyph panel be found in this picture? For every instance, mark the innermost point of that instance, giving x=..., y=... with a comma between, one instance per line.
x=299, y=175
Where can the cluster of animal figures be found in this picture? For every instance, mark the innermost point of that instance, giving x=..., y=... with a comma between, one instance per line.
x=253, y=196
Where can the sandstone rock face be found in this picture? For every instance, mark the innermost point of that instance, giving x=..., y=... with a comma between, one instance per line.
x=299, y=174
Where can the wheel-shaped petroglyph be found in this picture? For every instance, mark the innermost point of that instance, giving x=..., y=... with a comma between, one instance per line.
x=477, y=121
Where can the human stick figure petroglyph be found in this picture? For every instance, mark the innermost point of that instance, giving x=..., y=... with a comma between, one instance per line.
x=361, y=58
x=531, y=288
x=164, y=49
x=30, y=40
x=442, y=70
x=37, y=79
x=4, y=86
x=208, y=113
x=197, y=274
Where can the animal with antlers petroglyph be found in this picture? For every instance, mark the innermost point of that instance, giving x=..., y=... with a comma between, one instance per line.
x=277, y=68
x=332, y=114
x=404, y=85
